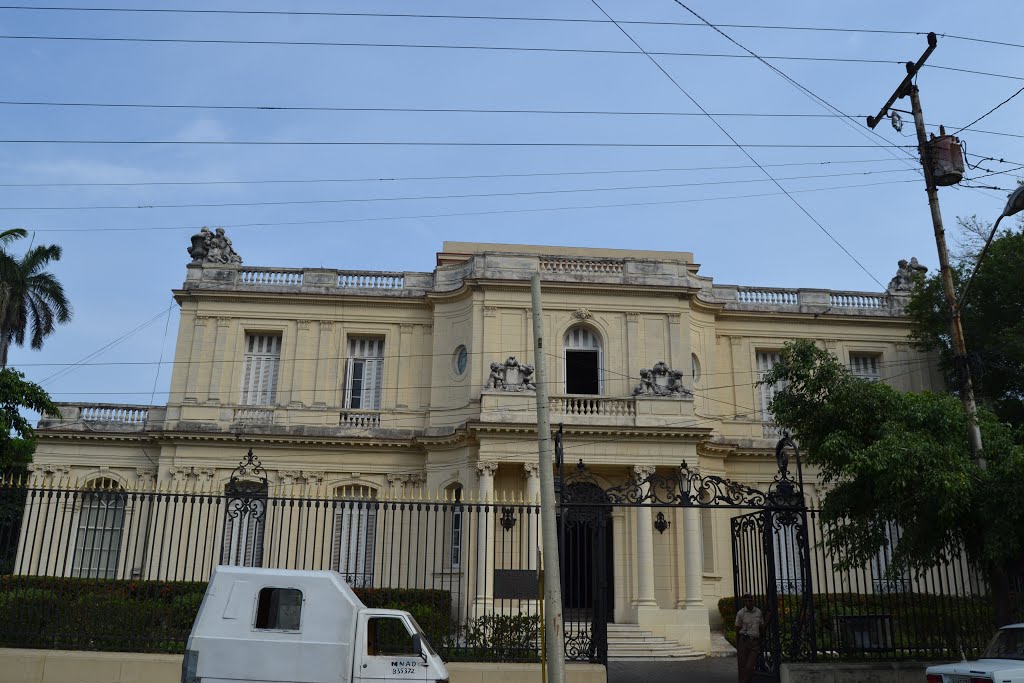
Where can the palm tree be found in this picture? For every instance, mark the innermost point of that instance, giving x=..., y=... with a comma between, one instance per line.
x=31, y=299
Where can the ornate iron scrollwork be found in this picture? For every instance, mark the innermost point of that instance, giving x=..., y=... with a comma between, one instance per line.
x=249, y=466
x=508, y=518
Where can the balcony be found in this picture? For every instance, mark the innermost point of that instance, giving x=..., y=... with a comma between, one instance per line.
x=360, y=419
x=608, y=411
x=110, y=417
x=231, y=277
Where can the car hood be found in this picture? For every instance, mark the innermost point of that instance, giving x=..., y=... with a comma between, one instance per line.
x=980, y=666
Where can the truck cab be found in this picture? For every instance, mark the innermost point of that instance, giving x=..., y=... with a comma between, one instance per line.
x=257, y=625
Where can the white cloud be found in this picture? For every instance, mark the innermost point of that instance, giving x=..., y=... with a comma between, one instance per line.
x=203, y=129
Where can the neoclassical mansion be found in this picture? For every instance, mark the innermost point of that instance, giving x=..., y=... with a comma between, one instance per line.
x=423, y=382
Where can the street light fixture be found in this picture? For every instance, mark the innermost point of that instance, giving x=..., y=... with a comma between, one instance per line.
x=1014, y=204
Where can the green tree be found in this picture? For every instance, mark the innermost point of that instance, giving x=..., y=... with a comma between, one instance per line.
x=992, y=316
x=32, y=300
x=890, y=456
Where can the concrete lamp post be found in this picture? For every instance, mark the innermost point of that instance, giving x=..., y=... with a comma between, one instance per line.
x=1014, y=204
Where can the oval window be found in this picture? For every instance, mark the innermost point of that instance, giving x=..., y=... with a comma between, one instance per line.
x=695, y=367
x=460, y=359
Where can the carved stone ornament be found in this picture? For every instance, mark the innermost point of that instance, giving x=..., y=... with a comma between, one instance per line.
x=903, y=281
x=212, y=247
x=661, y=381
x=511, y=376
x=486, y=468
x=582, y=314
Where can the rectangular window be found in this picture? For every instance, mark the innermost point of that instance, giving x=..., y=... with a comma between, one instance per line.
x=456, y=532
x=355, y=536
x=279, y=609
x=880, y=565
x=866, y=366
x=766, y=360
x=260, y=369
x=98, y=542
x=707, y=541
x=365, y=373
x=788, y=577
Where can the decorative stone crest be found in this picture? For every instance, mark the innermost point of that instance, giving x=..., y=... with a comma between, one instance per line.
x=184, y=473
x=661, y=381
x=903, y=281
x=290, y=477
x=511, y=376
x=582, y=314
x=212, y=247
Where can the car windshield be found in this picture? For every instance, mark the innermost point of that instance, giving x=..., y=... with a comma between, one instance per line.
x=1008, y=644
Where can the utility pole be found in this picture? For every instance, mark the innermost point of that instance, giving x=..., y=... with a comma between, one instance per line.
x=554, y=630
x=906, y=88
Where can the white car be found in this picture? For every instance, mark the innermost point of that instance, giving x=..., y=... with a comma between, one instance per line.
x=1001, y=662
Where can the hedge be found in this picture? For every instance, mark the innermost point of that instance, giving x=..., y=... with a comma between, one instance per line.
x=151, y=616
x=923, y=624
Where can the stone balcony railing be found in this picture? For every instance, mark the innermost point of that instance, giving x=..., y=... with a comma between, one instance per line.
x=820, y=301
x=105, y=416
x=610, y=411
x=233, y=277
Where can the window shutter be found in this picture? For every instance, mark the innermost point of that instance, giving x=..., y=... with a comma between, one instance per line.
x=348, y=382
x=260, y=369
x=865, y=366
x=766, y=360
x=364, y=377
x=373, y=379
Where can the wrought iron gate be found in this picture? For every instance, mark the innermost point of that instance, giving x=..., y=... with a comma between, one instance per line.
x=771, y=554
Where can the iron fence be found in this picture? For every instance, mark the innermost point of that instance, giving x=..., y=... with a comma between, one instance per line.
x=111, y=568
x=862, y=612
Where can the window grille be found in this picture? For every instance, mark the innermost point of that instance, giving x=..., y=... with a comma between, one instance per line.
x=355, y=535
x=260, y=369
x=245, y=519
x=100, y=525
x=866, y=366
x=364, y=373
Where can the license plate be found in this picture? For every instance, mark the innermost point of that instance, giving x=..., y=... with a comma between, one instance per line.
x=959, y=679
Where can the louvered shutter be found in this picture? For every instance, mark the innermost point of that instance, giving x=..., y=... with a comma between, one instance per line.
x=865, y=366
x=364, y=375
x=765, y=361
x=260, y=369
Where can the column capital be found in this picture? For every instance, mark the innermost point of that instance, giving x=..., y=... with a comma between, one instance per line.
x=643, y=471
x=531, y=469
x=486, y=468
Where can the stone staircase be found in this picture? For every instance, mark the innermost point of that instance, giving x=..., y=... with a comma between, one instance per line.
x=630, y=643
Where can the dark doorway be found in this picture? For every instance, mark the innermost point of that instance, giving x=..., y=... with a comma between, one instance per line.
x=581, y=372
x=585, y=546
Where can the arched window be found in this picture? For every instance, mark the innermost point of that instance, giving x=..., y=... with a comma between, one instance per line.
x=582, y=361
x=355, y=534
x=100, y=525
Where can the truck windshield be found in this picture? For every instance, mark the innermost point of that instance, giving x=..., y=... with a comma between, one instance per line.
x=1008, y=644
x=423, y=637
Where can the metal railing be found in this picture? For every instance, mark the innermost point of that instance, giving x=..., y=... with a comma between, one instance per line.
x=102, y=567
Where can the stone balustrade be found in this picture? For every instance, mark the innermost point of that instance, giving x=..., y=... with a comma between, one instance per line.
x=253, y=415
x=114, y=414
x=288, y=277
x=857, y=300
x=779, y=297
x=584, y=266
x=364, y=279
x=360, y=419
x=593, y=405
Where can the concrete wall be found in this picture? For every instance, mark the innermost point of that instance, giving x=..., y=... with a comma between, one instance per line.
x=61, y=666
x=846, y=672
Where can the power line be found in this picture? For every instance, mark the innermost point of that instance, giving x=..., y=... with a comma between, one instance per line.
x=575, y=20
x=426, y=143
x=443, y=196
x=990, y=111
x=444, y=110
x=445, y=177
x=470, y=213
x=736, y=144
x=500, y=48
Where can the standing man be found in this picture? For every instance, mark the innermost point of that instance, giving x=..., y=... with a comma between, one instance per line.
x=750, y=622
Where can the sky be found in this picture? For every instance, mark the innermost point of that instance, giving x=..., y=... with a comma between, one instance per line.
x=644, y=178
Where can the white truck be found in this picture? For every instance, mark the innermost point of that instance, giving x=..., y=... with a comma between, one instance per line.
x=288, y=626
x=1001, y=662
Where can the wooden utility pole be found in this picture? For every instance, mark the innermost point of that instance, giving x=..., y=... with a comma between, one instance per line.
x=906, y=88
x=554, y=630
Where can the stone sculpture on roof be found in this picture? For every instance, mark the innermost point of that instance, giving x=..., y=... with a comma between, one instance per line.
x=903, y=281
x=212, y=247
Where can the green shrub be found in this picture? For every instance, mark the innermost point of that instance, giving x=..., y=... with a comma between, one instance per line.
x=504, y=637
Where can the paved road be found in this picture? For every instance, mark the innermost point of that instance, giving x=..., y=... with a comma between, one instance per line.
x=710, y=670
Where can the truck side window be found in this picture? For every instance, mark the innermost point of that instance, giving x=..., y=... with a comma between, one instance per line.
x=279, y=609
x=387, y=636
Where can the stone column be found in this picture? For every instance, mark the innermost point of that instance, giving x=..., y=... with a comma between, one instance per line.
x=326, y=383
x=692, y=565
x=192, y=387
x=217, y=393
x=407, y=360
x=532, y=533
x=484, y=587
x=644, y=545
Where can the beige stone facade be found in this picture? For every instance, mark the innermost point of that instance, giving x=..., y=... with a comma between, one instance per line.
x=392, y=381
